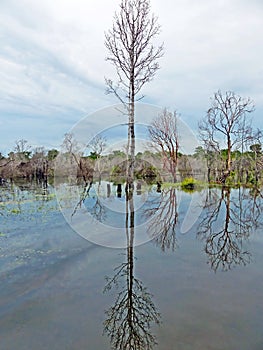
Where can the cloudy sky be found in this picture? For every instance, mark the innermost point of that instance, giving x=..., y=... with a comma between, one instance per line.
x=52, y=62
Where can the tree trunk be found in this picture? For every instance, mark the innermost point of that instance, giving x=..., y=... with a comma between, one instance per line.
x=132, y=133
x=228, y=165
x=131, y=137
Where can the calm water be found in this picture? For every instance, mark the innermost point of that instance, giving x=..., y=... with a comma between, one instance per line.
x=191, y=277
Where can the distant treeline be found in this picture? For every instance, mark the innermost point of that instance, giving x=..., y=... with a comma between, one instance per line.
x=203, y=165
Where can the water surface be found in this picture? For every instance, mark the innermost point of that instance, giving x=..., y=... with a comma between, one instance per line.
x=200, y=289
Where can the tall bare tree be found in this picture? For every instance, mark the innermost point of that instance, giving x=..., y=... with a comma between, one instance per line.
x=132, y=53
x=164, y=137
x=226, y=122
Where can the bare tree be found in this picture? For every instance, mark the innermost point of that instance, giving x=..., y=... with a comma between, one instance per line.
x=164, y=137
x=22, y=148
x=131, y=51
x=97, y=146
x=72, y=149
x=74, y=156
x=226, y=122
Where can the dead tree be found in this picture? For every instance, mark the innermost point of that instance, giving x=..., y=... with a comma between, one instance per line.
x=226, y=121
x=132, y=53
x=164, y=137
x=22, y=149
x=73, y=154
x=97, y=146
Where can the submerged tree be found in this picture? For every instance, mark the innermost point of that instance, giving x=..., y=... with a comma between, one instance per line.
x=133, y=54
x=226, y=121
x=164, y=137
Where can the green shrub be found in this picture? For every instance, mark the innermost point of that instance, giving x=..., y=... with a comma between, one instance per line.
x=189, y=184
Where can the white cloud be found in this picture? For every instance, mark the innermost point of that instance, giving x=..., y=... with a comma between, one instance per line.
x=52, y=58
x=210, y=45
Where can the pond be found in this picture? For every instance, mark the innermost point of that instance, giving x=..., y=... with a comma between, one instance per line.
x=83, y=268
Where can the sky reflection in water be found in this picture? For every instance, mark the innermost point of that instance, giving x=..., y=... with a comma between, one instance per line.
x=54, y=293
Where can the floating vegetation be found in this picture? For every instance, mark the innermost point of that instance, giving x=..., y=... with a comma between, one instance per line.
x=15, y=211
x=27, y=203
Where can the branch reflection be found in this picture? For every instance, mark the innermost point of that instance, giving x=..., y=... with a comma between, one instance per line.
x=229, y=218
x=163, y=216
x=254, y=207
x=129, y=320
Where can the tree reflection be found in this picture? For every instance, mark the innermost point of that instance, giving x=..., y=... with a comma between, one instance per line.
x=227, y=223
x=84, y=193
x=254, y=207
x=128, y=322
x=164, y=218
